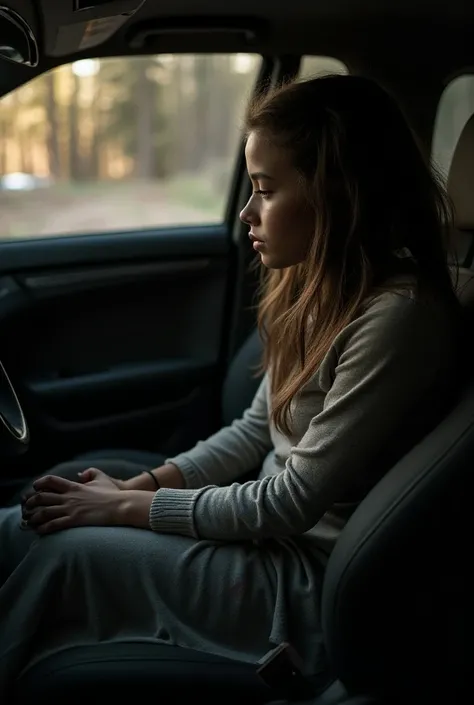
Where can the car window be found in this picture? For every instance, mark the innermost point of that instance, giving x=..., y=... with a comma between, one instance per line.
x=455, y=108
x=312, y=66
x=122, y=144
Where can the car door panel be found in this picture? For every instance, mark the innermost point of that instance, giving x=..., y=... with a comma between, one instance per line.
x=112, y=352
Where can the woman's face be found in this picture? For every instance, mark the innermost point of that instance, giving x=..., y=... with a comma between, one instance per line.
x=280, y=218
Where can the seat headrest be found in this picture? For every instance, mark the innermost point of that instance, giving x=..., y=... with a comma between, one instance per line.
x=461, y=178
x=464, y=281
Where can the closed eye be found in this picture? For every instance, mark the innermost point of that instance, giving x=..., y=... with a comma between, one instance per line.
x=262, y=193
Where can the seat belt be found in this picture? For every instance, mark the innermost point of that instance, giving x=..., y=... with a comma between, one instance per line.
x=281, y=670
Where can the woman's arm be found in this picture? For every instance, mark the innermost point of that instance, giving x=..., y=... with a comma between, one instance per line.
x=389, y=363
x=167, y=475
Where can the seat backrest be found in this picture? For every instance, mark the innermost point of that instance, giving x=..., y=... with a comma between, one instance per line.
x=396, y=597
x=242, y=379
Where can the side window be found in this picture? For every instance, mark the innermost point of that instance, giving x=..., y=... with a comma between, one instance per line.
x=455, y=108
x=121, y=144
x=312, y=66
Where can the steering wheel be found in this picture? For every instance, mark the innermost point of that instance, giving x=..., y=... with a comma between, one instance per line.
x=14, y=434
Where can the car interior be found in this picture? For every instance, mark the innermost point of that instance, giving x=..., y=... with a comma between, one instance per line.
x=127, y=317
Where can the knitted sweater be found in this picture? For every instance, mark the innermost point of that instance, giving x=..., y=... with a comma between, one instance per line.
x=376, y=392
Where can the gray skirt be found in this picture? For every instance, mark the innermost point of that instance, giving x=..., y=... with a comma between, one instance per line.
x=90, y=585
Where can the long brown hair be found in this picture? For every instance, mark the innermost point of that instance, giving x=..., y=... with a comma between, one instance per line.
x=373, y=195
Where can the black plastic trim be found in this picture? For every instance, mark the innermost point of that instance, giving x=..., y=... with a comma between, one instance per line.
x=36, y=253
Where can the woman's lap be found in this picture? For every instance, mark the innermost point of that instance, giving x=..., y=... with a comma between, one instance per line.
x=92, y=584
x=137, y=457
x=141, y=574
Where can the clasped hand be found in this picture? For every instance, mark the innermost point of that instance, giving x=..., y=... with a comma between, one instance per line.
x=56, y=503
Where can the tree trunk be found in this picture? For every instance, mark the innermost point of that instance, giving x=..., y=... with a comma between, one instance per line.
x=75, y=171
x=222, y=109
x=179, y=124
x=93, y=160
x=52, y=126
x=3, y=146
x=145, y=104
x=202, y=75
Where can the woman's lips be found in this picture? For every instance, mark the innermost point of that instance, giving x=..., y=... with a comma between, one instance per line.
x=256, y=243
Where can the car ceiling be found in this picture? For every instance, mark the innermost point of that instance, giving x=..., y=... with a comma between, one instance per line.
x=435, y=31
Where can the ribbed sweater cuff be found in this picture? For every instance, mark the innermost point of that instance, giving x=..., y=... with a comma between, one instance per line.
x=172, y=511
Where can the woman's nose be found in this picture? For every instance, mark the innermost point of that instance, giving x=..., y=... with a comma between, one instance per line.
x=247, y=215
x=244, y=215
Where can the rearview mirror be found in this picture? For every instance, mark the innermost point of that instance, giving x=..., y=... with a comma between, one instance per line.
x=17, y=40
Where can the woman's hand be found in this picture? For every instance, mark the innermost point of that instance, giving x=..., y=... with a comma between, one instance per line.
x=167, y=476
x=59, y=504
x=143, y=481
x=92, y=474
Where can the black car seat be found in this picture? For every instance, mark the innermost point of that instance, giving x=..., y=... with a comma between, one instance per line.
x=396, y=592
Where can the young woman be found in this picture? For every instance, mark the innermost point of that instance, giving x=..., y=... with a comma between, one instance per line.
x=358, y=320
